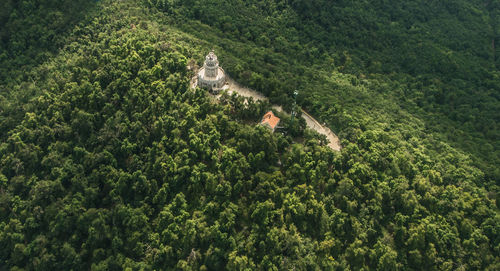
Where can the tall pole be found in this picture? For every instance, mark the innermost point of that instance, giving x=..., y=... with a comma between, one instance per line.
x=295, y=93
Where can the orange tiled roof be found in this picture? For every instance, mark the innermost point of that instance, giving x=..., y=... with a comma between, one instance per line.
x=270, y=119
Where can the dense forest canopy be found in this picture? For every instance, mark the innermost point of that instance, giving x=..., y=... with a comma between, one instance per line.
x=435, y=59
x=109, y=161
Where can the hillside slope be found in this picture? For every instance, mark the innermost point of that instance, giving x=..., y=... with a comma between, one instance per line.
x=435, y=61
x=109, y=162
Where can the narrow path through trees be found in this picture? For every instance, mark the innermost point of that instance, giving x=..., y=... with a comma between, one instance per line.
x=312, y=123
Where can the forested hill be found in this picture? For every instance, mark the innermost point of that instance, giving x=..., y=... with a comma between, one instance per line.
x=108, y=161
x=437, y=60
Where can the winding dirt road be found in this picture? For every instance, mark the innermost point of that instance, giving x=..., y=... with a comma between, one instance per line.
x=312, y=123
x=334, y=141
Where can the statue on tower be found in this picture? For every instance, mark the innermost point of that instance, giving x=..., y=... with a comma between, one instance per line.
x=211, y=76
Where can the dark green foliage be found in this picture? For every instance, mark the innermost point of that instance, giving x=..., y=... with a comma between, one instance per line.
x=108, y=161
x=31, y=30
x=435, y=60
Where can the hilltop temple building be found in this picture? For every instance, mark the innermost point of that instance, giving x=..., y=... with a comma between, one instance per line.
x=211, y=76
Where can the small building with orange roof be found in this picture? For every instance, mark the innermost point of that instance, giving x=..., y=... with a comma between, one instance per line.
x=270, y=121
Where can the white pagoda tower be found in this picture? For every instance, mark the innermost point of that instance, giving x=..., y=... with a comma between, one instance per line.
x=211, y=76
